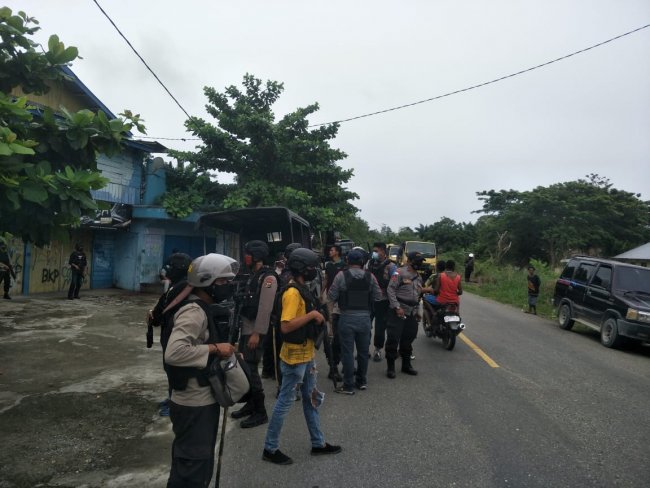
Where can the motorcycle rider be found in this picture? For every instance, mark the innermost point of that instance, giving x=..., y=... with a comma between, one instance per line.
x=403, y=293
x=449, y=287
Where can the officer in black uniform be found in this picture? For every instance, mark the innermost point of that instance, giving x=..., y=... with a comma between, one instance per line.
x=255, y=310
x=78, y=265
x=6, y=270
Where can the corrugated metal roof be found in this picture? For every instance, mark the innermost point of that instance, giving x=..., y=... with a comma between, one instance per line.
x=641, y=252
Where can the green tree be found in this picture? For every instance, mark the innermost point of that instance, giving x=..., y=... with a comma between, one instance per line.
x=48, y=162
x=547, y=223
x=275, y=163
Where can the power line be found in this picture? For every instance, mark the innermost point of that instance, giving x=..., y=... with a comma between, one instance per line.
x=141, y=59
x=480, y=84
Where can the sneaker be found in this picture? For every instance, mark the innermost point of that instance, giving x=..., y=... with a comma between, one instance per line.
x=344, y=390
x=376, y=357
x=163, y=403
x=362, y=386
x=254, y=420
x=7, y=297
x=326, y=449
x=164, y=411
x=277, y=457
x=412, y=357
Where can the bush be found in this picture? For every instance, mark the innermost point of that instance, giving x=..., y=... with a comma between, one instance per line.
x=508, y=284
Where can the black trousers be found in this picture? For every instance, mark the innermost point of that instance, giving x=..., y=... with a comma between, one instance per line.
x=195, y=438
x=333, y=348
x=6, y=277
x=401, y=334
x=381, y=322
x=75, y=284
x=268, y=368
x=468, y=273
x=253, y=359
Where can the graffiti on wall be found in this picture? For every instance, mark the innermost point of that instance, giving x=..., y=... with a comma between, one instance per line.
x=49, y=268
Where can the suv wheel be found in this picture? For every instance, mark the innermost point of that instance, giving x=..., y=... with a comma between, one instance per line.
x=564, y=317
x=609, y=333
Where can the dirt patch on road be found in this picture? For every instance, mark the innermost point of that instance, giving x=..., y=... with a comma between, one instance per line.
x=79, y=393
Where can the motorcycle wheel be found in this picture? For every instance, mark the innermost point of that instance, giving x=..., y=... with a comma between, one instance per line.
x=448, y=340
x=426, y=325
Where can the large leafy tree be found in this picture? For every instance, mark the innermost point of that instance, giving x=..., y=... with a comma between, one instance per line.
x=275, y=162
x=587, y=215
x=48, y=160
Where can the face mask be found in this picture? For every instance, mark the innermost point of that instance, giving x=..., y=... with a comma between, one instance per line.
x=310, y=274
x=219, y=293
x=375, y=255
x=417, y=264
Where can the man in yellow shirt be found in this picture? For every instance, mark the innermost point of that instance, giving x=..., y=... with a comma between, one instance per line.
x=299, y=324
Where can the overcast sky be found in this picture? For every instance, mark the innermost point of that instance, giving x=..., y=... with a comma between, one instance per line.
x=587, y=114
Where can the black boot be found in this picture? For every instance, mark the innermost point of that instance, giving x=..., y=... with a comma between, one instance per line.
x=259, y=416
x=407, y=368
x=7, y=297
x=245, y=411
x=334, y=374
x=390, y=372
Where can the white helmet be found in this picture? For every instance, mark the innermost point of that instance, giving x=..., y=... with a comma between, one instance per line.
x=471, y=255
x=205, y=269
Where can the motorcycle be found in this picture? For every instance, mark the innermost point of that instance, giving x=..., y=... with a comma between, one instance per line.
x=443, y=322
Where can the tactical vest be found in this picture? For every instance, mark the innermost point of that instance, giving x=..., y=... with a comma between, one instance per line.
x=218, y=327
x=251, y=301
x=379, y=270
x=308, y=331
x=357, y=293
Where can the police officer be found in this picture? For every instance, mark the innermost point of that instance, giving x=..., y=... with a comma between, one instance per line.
x=6, y=270
x=194, y=412
x=383, y=268
x=403, y=292
x=256, y=308
x=176, y=271
x=78, y=265
x=273, y=340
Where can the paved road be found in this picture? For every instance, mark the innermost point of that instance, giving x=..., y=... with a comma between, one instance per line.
x=559, y=410
x=79, y=393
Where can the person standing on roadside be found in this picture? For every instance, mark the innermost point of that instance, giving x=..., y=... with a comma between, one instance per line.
x=194, y=411
x=78, y=265
x=6, y=270
x=354, y=290
x=533, y=289
x=403, y=293
x=469, y=267
x=259, y=297
x=300, y=322
x=382, y=268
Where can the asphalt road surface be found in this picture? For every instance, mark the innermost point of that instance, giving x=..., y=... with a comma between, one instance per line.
x=527, y=405
x=517, y=403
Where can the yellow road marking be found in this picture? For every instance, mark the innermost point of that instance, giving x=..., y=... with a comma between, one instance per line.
x=478, y=351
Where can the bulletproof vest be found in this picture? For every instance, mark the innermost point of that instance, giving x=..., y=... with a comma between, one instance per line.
x=379, y=269
x=218, y=316
x=251, y=300
x=308, y=331
x=356, y=295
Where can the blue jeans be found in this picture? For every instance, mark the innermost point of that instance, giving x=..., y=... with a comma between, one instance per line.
x=354, y=329
x=303, y=374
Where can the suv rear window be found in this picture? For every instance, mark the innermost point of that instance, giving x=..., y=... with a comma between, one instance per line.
x=569, y=269
x=584, y=272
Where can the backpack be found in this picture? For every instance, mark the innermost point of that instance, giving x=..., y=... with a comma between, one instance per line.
x=356, y=295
